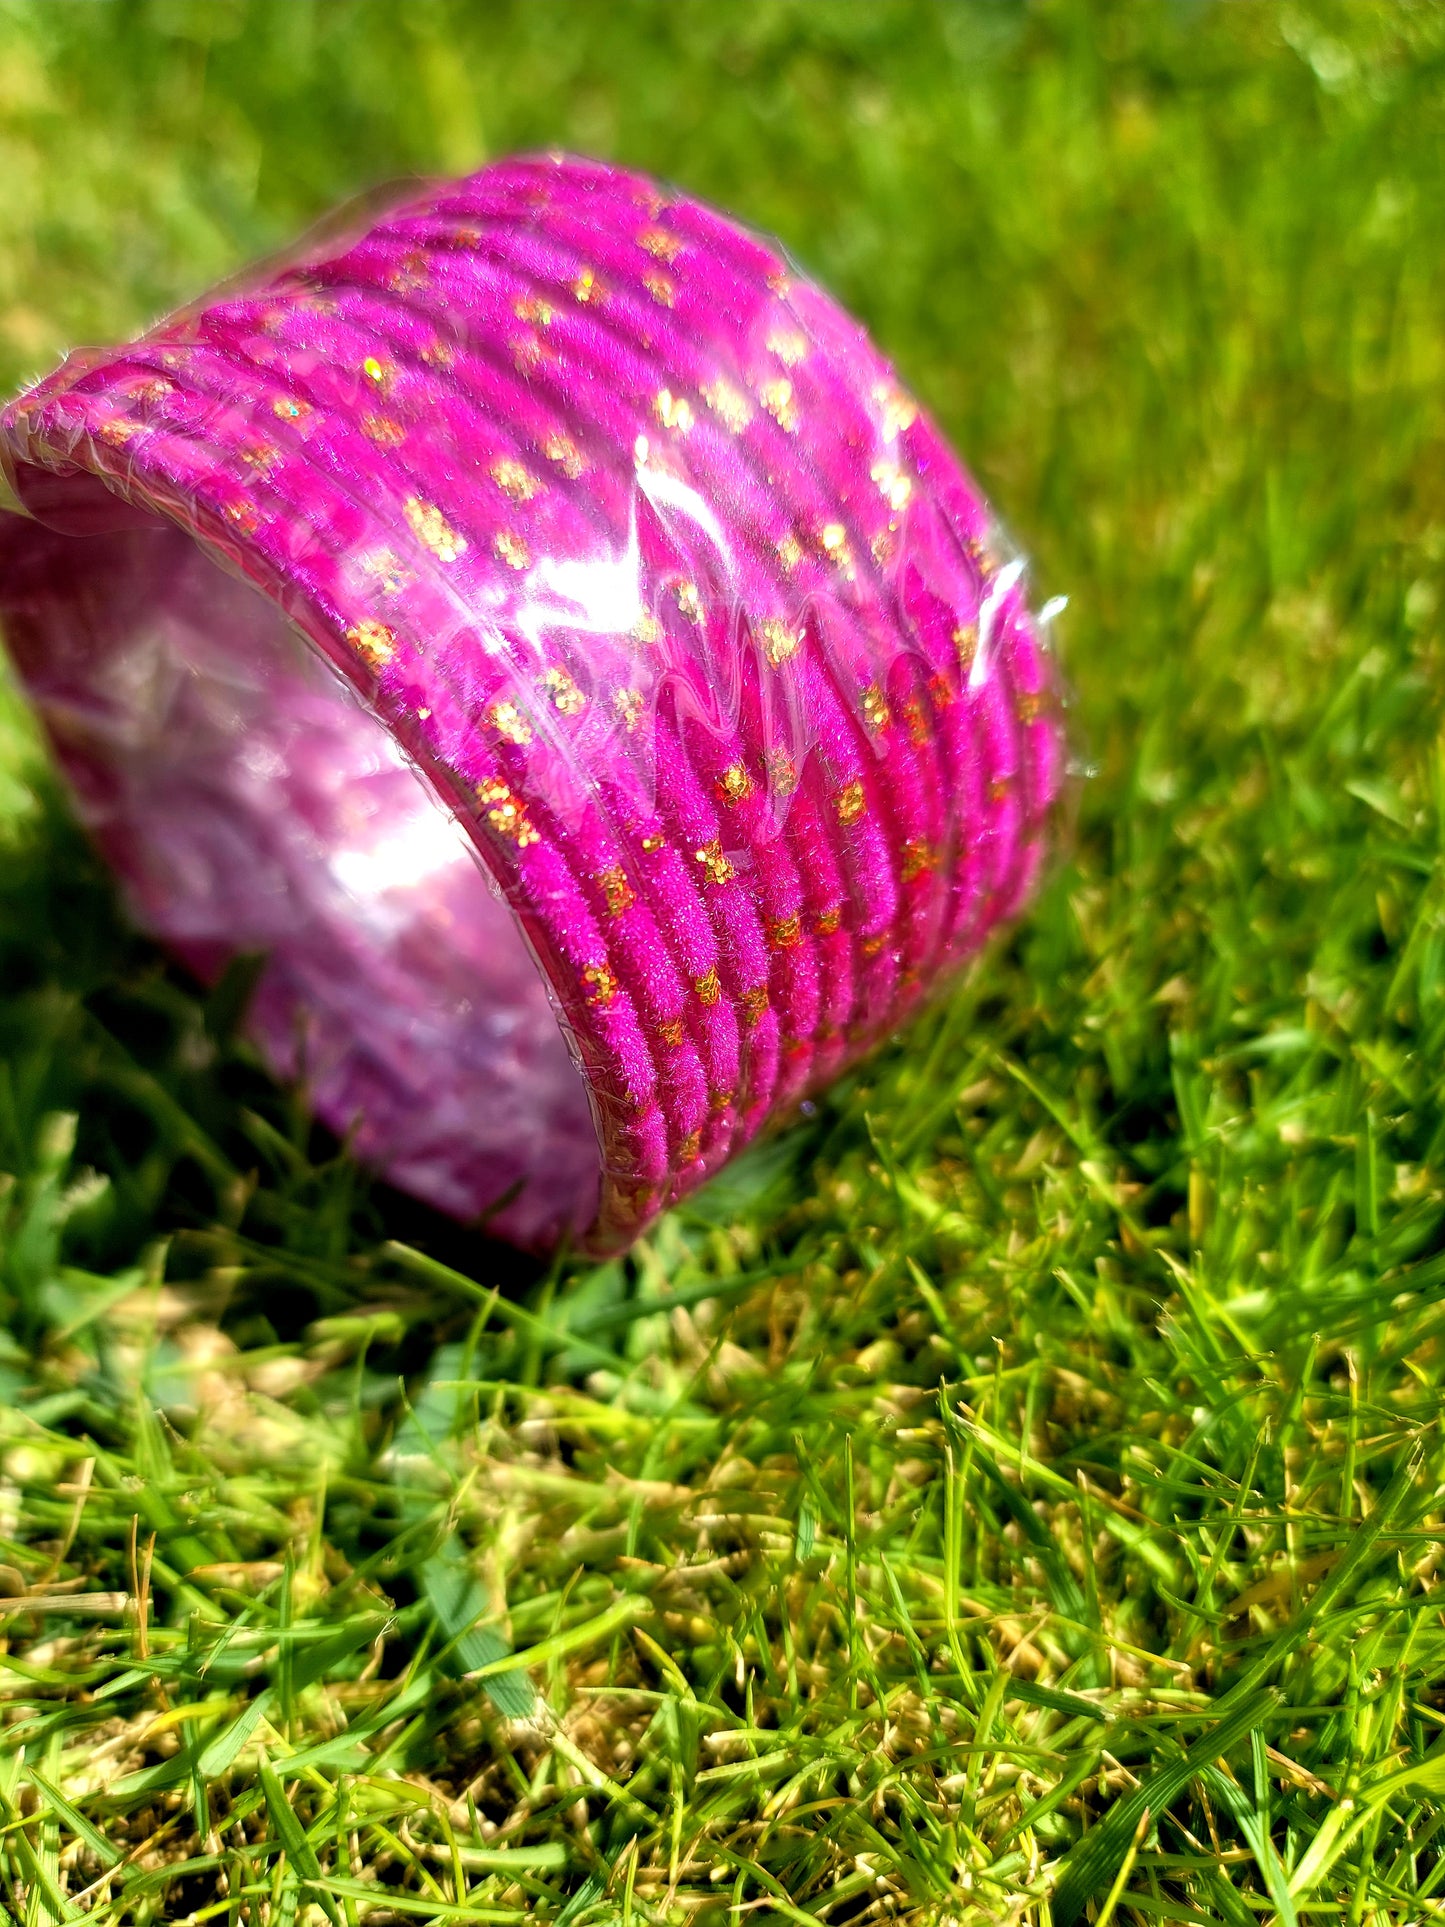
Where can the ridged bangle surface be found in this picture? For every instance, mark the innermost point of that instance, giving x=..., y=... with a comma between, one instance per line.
x=559, y=521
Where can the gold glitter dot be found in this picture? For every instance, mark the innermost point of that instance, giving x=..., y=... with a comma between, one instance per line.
x=601, y=982
x=653, y=840
x=437, y=354
x=432, y=530
x=508, y=721
x=647, y=630
x=941, y=692
x=720, y=1101
x=884, y=545
x=780, y=640
x=850, y=802
x=708, y=988
x=244, y=516
x=729, y=404
x=919, y=856
x=998, y=789
x=790, y=552
x=384, y=567
x=261, y=459
x=509, y=547
x=673, y=411
x=735, y=785
x=506, y=813
x=834, y=538
x=827, y=922
x=753, y=1003
x=411, y=272
x=380, y=374
x=567, y=698
x=586, y=287
x=671, y=1031
x=528, y=353
x=714, y=863
x=118, y=431
x=785, y=933
x=373, y=640
x=629, y=706
x=514, y=479
x=782, y=772
x=466, y=237
x=661, y=245
x=893, y=485
x=659, y=287
x=916, y=721
x=897, y=410
x=562, y=450
x=385, y=430
x=876, y=714
x=871, y=946
x=690, y=602
x=690, y=1148
x=287, y=408
x=795, y=1046
x=788, y=345
x=616, y=889
x=780, y=282
x=531, y=307
x=777, y=398
x=1030, y=706
x=156, y=389
x=965, y=641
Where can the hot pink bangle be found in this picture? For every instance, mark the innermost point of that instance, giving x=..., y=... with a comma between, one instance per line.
x=619, y=534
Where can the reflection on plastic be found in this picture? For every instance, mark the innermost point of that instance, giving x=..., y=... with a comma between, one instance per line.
x=640, y=563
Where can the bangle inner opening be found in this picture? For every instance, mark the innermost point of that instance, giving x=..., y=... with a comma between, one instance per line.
x=250, y=803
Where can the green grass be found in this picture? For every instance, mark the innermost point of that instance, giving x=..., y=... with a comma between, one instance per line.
x=1015, y=1495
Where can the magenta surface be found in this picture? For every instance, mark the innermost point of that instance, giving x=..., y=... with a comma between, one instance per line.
x=543, y=625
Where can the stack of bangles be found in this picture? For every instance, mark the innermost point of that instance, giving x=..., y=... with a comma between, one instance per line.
x=554, y=521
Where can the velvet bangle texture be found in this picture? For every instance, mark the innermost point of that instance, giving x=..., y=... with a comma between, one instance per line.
x=540, y=624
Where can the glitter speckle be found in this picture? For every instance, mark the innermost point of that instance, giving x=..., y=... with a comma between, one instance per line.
x=720, y=1101
x=788, y=345
x=897, y=410
x=715, y=865
x=782, y=772
x=690, y=1149
x=260, y=458
x=1029, y=707
x=384, y=430
x=915, y=721
x=790, y=551
x=661, y=245
x=834, y=538
x=780, y=639
x=514, y=479
x=893, y=485
x=373, y=640
x=531, y=307
x=729, y=404
x=506, y=812
x=647, y=630
x=508, y=721
x=244, y=516
x=528, y=353
x=586, y=287
x=965, y=641
x=828, y=922
x=384, y=568
x=708, y=988
x=659, y=287
x=753, y=1003
x=379, y=373
x=562, y=450
x=652, y=841
x=616, y=890
x=690, y=602
x=671, y=1031
x=567, y=698
x=509, y=547
x=777, y=398
x=850, y=801
x=735, y=785
x=432, y=530
x=673, y=411
x=601, y=982
x=629, y=705
x=875, y=709
x=919, y=857
x=785, y=933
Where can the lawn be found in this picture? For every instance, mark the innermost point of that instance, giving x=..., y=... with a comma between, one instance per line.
x=1013, y=1495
